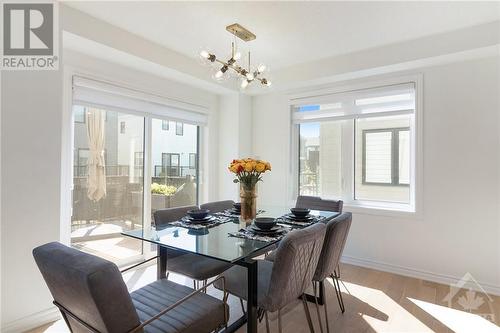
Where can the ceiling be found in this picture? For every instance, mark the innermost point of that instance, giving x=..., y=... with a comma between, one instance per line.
x=288, y=33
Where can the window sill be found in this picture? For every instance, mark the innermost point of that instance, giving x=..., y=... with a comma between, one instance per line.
x=381, y=209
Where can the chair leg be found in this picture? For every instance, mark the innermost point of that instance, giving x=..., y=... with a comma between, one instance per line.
x=194, y=284
x=317, y=306
x=205, y=286
x=267, y=321
x=166, y=276
x=242, y=306
x=308, y=314
x=336, y=284
x=280, y=328
x=325, y=308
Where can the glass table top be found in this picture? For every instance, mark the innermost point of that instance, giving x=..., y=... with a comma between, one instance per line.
x=215, y=242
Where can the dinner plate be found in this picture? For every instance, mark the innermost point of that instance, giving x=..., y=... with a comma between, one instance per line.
x=207, y=219
x=307, y=218
x=272, y=231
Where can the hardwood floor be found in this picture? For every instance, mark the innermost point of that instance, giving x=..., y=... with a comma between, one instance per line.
x=375, y=301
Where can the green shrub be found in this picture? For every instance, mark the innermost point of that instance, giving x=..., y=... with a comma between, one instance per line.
x=163, y=189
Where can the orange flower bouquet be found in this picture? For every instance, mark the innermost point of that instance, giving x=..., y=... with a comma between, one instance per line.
x=248, y=173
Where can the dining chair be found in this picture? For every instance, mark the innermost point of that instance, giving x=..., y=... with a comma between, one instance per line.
x=194, y=266
x=284, y=280
x=316, y=203
x=92, y=297
x=337, y=230
x=218, y=206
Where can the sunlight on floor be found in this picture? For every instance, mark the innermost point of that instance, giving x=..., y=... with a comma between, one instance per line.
x=109, y=246
x=456, y=320
x=97, y=229
x=394, y=317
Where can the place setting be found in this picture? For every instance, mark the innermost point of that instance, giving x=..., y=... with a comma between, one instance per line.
x=200, y=219
x=235, y=211
x=264, y=229
x=300, y=217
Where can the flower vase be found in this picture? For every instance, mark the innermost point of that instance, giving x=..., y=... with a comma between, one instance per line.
x=248, y=198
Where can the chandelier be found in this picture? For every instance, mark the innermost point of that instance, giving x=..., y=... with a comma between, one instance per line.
x=247, y=75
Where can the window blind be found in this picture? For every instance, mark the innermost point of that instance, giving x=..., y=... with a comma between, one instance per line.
x=108, y=96
x=364, y=103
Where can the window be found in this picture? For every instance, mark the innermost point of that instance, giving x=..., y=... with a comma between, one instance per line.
x=358, y=146
x=382, y=151
x=173, y=172
x=179, y=128
x=139, y=158
x=192, y=161
x=79, y=113
x=99, y=219
x=171, y=164
x=165, y=125
x=133, y=144
x=382, y=163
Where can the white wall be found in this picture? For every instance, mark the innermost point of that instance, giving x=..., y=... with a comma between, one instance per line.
x=459, y=228
x=31, y=179
x=235, y=139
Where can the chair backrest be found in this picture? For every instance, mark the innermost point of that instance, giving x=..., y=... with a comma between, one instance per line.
x=164, y=216
x=87, y=286
x=296, y=259
x=316, y=203
x=218, y=206
x=337, y=230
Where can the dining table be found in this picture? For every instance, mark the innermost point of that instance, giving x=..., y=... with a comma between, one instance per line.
x=218, y=242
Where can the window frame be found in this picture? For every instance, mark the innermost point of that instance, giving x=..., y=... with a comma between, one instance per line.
x=394, y=155
x=139, y=155
x=84, y=121
x=177, y=132
x=413, y=210
x=193, y=165
x=165, y=125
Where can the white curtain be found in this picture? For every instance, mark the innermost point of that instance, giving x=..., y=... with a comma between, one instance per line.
x=96, y=180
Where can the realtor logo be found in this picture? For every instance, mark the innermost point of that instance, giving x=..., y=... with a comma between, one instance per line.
x=468, y=295
x=30, y=36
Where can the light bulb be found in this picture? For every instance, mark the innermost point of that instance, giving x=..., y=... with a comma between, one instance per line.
x=205, y=54
x=244, y=84
x=250, y=76
x=237, y=56
x=219, y=74
x=261, y=68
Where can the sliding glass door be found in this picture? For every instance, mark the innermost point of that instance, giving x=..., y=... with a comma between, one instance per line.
x=174, y=167
x=112, y=152
x=108, y=182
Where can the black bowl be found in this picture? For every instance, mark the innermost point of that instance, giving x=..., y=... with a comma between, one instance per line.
x=198, y=214
x=300, y=212
x=237, y=206
x=265, y=223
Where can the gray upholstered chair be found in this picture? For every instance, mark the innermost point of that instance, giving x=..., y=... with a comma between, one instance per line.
x=92, y=297
x=337, y=230
x=284, y=280
x=316, y=203
x=218, y=206
x=188, y=264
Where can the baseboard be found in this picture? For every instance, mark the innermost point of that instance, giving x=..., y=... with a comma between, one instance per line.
x=32, y=321
x=414, y=273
